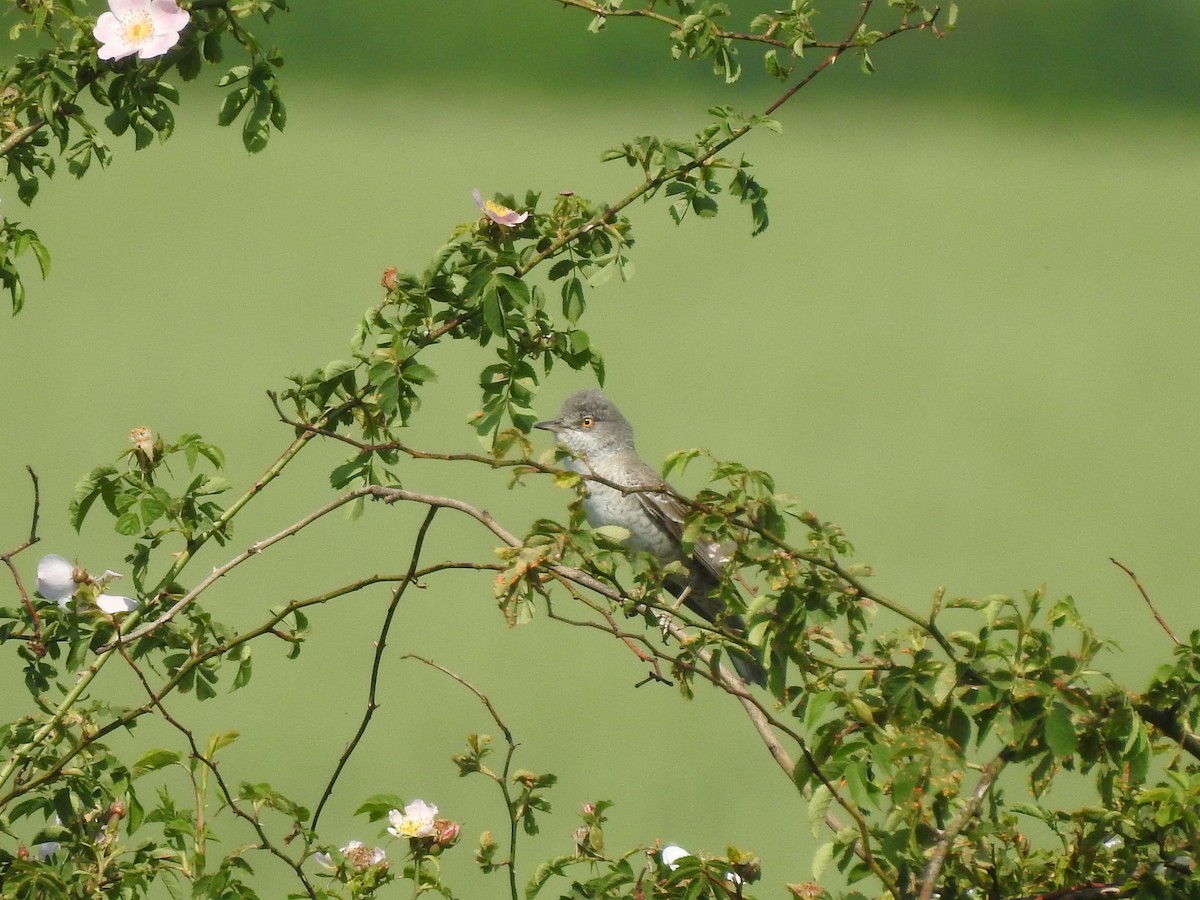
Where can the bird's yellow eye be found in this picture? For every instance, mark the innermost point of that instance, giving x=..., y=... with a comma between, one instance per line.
x=587, y=421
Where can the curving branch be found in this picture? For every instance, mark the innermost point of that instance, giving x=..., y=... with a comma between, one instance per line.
x=35, y=643
x=501, y=779
x=946, y=840
x=265, y=842
x=372, y=692
x=1150, y=603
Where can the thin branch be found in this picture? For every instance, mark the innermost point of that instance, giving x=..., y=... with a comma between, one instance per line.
x=1170, y=725
x=20, y=136
x=264, y=841
x=925, y=623
x=269, y=627
x=483, y=698
x=220, y=571
x=372, y=691
x=35, y=642
x=503, y=779
x=1150, y=603
x=986, y=779
x=765, y=725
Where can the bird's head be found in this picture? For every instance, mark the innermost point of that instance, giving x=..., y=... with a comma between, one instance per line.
x=589, y=423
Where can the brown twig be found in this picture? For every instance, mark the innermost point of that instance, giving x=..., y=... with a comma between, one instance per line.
x=380, y=643
x=220, y=571
x=129, y=716
x=503, y=778
x=1141, y=590
x=946, y=840
x=265, y=842
x=926, y=623
x=35, y=642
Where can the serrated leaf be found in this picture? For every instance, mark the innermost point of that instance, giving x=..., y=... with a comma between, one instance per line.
x=237, y=73
x=232, y=105
x=335, y=369
x=614, y=533
x=220, y=740
x=86, y=491
x=516, y=288
x=1060, y=731
x=821, y=860
x=818, y=805
x=377, y=806
x=573, y=302
x=128, y=524
x=493, y=313
x=153, y=760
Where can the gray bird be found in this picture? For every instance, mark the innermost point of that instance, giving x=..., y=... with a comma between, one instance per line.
x=600, y=440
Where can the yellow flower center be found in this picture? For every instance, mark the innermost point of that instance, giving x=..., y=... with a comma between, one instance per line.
x=494, y=207
x=137, y=28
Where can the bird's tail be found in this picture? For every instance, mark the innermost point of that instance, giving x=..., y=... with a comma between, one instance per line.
x=699, y=595
x=749, y=670
x=748, y=664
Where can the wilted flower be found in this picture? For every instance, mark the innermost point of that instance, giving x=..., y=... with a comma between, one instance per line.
x=362, y=857
x=499, y=214
x=59, y=579
x=148, y=28
x=446, y=833
x=56, y=578
x=142, y=438
x=417, y=820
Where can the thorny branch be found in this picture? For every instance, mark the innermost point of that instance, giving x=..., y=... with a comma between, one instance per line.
x=1141, y=590
x=35, y=644
x=501, y=779
x=265, y=843
x=942, y=850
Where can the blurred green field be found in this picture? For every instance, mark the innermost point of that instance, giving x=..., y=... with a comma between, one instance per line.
x=969, y=337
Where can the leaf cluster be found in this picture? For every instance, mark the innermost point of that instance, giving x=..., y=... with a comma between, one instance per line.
x=45, y=113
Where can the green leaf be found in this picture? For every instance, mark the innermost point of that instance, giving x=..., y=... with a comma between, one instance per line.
x=237, y=73
x=143, y=135
x=561, y=269
x=190, y=63
x=821, y=860
x=42, y=254
x=612, y=533
x=128, y=524
x=230, y=107
x=377, y=806
x=213, y=52
x=153, y=760
x=220, y=740
x=493, y=313
x=86, y=491
x=544, y=872
x=515, y=287
x=256, y=131
x=1060, y=731
x=818, y=805
x=245, y=670
x=573, y=302
x=336, y=369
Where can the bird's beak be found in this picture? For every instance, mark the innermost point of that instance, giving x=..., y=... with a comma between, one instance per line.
x=549, y=425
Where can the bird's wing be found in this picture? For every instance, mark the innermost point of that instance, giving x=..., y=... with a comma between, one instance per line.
x=670, y=513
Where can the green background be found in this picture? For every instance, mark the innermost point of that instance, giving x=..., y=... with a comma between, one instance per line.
x=969, y=337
